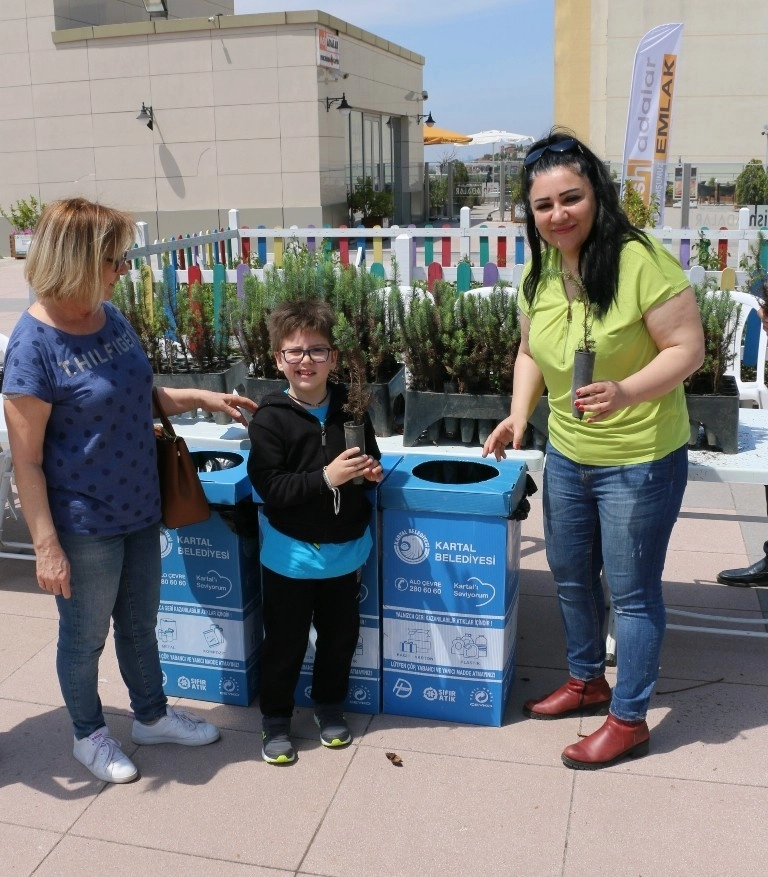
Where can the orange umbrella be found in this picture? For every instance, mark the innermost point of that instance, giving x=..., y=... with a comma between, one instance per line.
x=434, y=136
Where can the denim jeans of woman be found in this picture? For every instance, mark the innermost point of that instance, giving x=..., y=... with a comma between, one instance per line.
x=115, y=577
x=616, y=519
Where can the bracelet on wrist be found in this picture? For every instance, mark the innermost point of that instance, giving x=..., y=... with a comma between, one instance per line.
x=334, y=491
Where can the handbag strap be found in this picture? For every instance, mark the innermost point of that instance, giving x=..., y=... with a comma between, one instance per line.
x=167, y=427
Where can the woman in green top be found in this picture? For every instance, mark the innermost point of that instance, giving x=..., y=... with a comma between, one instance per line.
x=616, y=472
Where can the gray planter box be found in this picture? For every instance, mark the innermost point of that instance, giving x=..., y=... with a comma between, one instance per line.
x=257, y=388
x=381, y=406
x=232, y=378
x=423, y=409
x=714, y=420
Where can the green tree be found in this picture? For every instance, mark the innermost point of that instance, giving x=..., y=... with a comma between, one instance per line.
x=438, y=194
x=752, y=184
x=24, y=215
x=640, y=214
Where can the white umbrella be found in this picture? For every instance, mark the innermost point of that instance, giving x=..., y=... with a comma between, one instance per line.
x=494, y=136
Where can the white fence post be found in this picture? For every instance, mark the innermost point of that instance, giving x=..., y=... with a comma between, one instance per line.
x=234, y=223
x=403, y=256
x=464, y=224
x=742, y=247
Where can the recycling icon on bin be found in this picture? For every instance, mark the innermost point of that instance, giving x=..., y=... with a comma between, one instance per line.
x=214, y=636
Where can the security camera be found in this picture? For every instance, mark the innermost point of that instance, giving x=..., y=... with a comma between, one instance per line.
x=425, y=95
x=345, y=75
x=211, y=18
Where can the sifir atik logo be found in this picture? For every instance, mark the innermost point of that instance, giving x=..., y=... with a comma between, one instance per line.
x=411, y=546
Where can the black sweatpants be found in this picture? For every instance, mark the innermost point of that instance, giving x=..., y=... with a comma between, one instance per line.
x=290, y=607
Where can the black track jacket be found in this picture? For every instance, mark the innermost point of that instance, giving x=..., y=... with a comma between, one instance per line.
x=289, y=448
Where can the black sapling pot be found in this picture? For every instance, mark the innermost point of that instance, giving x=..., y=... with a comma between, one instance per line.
x=583, y=370
x=354, y=436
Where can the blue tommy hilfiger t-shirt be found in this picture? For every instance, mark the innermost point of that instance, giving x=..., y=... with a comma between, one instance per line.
x=99, y=448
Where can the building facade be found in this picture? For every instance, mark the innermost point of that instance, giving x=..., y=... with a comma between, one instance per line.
x=244, y=111
x=720, y=102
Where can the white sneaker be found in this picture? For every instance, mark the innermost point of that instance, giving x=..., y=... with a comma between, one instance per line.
x=176, y=726
x=104, y=758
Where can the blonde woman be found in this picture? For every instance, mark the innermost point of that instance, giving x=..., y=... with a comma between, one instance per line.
x=78, y=406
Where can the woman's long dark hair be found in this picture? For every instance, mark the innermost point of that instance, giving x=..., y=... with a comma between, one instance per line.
x=600, y=253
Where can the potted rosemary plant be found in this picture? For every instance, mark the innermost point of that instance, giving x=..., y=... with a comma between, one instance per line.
x=374, y=204
x=711, y=394
x=584, y=355
x=358, y=393
x=366, y=338
x=23, y=217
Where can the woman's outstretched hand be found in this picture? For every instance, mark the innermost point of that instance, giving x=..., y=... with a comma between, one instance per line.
x=510, y=431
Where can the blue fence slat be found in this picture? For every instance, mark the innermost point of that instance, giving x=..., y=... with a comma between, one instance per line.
x=261, y=247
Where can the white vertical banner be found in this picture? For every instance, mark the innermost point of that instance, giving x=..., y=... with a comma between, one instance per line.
x=650, y=113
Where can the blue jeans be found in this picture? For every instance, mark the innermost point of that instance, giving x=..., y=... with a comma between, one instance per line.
x=616, y=518
x=117, y=577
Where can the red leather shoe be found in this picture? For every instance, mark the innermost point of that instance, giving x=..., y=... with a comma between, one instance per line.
x=615, y=740
x=576, y=696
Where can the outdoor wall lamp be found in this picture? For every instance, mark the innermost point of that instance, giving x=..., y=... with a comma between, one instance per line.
x=156, y=8
x=343, y=107
x=146, y=115
x=764, y=132
x=428, y=120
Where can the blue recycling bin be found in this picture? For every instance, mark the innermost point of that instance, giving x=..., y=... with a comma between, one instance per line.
x=450, y=574
x=209, y=626
x=364, y=694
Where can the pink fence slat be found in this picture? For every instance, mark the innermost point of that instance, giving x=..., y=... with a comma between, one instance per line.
x=344, y=249
x=501, y=251
x=434, y=272
x=445, y=247
x=722, y=249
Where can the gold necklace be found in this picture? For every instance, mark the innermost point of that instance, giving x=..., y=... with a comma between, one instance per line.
x=581, y=291
x=309, y=404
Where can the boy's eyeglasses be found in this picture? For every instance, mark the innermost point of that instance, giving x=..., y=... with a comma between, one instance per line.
x=294, y=355
x=567, y=145
x=117, y=264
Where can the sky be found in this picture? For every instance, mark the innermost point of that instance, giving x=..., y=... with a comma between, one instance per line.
x=489, y=63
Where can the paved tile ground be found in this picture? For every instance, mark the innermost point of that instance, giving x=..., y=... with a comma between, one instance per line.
x=493, y=801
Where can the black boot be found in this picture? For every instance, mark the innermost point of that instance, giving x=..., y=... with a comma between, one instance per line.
x=754, y=576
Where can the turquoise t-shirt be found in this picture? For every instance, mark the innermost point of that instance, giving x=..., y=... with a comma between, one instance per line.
x=640, y=433
x=308, y=560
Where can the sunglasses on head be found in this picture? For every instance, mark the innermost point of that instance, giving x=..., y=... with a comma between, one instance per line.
x=567, y=145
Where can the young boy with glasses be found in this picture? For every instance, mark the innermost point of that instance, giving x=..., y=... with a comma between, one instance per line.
x=315, y=536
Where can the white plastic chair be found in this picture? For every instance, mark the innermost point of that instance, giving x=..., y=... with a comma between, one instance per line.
x=12, y=550
x=749, y=391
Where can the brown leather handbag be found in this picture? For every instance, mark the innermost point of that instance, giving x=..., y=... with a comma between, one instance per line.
x=182, y=499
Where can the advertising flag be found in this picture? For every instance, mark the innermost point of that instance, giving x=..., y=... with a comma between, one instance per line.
x=650, y=113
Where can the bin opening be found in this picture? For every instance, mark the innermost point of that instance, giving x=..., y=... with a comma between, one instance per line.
x=215, y=461
x=454, y=472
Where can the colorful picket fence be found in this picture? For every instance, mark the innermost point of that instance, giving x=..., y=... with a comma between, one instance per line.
x=465, y=254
